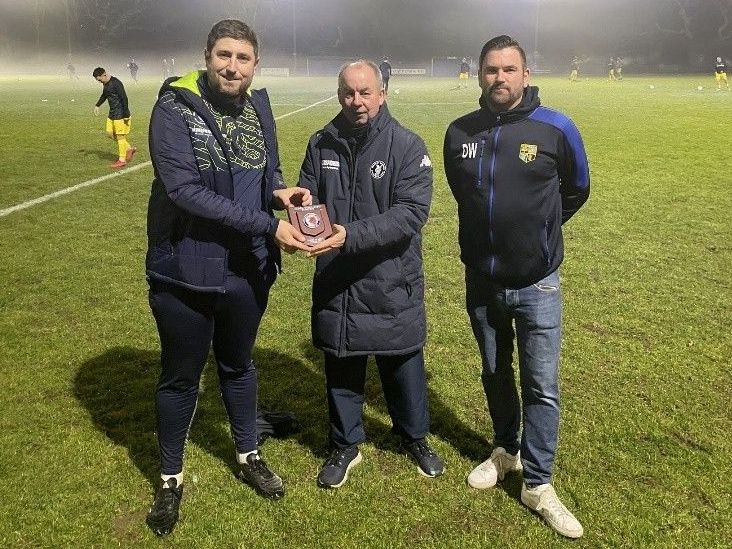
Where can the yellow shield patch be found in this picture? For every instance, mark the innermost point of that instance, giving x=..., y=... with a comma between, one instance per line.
x=527, y=153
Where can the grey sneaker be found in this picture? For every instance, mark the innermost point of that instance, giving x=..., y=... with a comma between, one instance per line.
x=494, y=469
x=334, y=472
x=256, y=474
x=544, y=500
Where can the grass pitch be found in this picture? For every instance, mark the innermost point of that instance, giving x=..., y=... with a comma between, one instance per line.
x=645, y=436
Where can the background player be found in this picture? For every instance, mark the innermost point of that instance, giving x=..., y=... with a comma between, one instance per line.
x=118, y=121
x=464, y=74
x=720, y=74
x=385, y=69
x=574, y=75
x=134, y=67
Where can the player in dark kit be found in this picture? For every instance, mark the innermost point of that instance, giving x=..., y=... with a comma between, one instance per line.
x=118, y=121
x=134, y=67
x=71, y=70
x=385, y=69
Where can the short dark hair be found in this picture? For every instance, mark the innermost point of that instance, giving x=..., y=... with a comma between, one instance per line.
x=232, y=28
x=99, y=71
x=499, y=43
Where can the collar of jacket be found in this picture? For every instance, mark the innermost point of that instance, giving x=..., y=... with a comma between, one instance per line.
x=336, y=126
x=529, y=102
x=186, y=87
x=188, y=82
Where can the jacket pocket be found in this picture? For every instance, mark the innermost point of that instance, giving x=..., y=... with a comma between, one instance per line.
x=545, y=243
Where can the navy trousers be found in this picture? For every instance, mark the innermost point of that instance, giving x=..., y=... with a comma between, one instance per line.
x=188, y=324
x=404, y=383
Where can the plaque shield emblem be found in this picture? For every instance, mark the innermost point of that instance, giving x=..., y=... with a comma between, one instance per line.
x=311, y=221
x=527, y=153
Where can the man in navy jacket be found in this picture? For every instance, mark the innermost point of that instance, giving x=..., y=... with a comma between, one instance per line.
x=518, y=171
x=213, y=250
x=375, y=178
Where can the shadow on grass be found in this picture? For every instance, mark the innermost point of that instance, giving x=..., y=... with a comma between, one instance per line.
x=109, y=155
x=118, y=389
x=444, y=422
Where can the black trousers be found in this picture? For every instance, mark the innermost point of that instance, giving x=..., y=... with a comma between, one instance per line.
x=404, y=383
x=188, y=324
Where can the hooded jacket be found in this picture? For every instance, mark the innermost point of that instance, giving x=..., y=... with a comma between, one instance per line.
x=517, y=176
x=368, y=297
x=193, y=223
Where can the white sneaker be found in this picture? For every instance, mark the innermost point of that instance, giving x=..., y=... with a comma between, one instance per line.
x=488, y=473
x=544, y=500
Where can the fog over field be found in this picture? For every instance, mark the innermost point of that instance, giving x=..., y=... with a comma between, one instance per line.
x=651, y=35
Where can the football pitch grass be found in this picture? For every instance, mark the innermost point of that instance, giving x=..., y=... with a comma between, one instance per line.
x=645, y=445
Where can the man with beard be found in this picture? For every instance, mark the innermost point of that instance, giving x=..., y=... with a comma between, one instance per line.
x=518, y=171
x=213, y=250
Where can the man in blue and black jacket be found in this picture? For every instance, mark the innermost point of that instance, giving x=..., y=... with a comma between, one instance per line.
x=518, y=172
x=213, y=250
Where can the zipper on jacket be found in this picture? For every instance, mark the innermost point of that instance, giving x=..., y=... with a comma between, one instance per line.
x=480, y=163
x=352, y=161
x=491, y=192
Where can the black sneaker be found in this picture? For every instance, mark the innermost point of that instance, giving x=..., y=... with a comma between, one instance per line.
x=164, y=511
x=256, y=474
x=334, y=472
x=429, y=463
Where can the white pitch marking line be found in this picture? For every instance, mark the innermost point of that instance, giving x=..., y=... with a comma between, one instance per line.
x=305, y=108
x=67, y=190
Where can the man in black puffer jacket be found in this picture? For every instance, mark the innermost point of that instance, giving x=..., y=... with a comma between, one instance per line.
x=375, y=179
x=518, y=171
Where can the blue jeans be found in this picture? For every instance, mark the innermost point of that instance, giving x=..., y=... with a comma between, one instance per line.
x=536, y=311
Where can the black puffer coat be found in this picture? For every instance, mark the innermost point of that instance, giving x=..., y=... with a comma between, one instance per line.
x=368, y=297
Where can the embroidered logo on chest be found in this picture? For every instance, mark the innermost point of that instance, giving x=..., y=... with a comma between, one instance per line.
x=527, y=152
x=378, y=169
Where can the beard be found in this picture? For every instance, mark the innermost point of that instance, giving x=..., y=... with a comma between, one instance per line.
x=502, y=101
x=229, y=89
